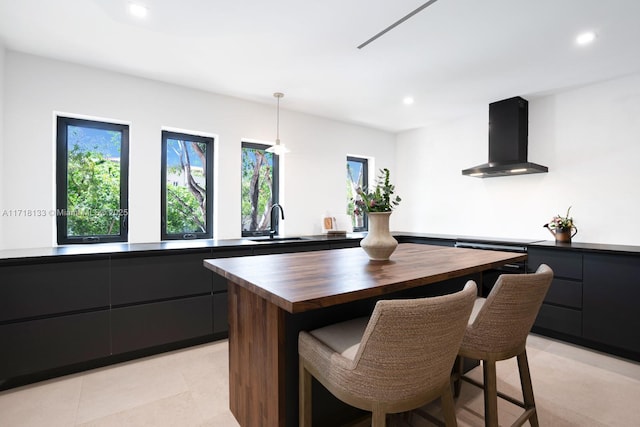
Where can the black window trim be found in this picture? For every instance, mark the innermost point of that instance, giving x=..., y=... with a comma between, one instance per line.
x=275, y=193
x=63, y=122
x=210, y=141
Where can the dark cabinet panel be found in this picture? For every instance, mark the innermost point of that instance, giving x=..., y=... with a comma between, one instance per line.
x=562, y=308
x=38, y=345
x=427, y=241
x=611, y=298
x=220, y=313
x=219, y=282
x=289, y=248
x=33, y=290
x=565, y=292
x=564, y=264
x=345, y=244
x=560, y=319
x=152, y=278
x=149, y=325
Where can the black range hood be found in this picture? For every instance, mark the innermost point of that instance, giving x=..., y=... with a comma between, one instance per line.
x=508, y=134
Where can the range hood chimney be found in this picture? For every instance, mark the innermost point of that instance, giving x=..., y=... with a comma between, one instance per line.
x=508, y=133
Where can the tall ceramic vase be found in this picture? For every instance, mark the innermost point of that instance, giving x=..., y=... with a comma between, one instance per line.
x=379, y=244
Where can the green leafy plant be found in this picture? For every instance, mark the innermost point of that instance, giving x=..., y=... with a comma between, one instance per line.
x=561, y=222
x=380, y=199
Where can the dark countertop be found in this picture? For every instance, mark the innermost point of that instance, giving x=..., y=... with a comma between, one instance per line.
x=589, y=247
x=186, y=246
x=88, y=250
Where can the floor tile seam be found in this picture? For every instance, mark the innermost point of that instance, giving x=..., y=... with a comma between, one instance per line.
x=202, y=416
x=77, y=410
x=130, y=409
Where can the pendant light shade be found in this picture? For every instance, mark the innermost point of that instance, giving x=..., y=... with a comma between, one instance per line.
x=278, y=148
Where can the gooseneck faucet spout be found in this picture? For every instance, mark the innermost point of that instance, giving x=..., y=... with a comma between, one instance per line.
x=274, y=219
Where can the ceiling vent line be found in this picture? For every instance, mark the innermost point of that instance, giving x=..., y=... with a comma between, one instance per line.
x=398, y=22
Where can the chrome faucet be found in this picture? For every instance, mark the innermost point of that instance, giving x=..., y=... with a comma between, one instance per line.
x=274, y=219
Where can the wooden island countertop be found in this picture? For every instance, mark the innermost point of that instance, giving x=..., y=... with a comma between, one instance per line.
x=273, y=297
x=305, y=281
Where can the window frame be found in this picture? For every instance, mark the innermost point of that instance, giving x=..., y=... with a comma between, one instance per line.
x=62, y=160
x=365, y=183
x=275, y=187
x=209, y=157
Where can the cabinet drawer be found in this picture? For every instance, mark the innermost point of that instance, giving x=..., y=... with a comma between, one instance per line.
x=53, y=288
x=290, y=248
x=38, y=345
x=560, y=319
x=149, y=325
x=220, y=313
x=345, y=244
x=219, y=282
x=565, y=292
x=152, y=278
x=567, y=265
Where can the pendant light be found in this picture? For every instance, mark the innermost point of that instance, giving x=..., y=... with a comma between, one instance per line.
x=278, y=148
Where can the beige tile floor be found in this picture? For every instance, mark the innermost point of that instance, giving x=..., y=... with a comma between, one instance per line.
x=573, y=387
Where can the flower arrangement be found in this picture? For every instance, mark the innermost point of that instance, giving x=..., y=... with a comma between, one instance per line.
x=561, y=222
x=378, y=200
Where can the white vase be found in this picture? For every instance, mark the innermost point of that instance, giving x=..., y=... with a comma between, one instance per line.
x=379, y=244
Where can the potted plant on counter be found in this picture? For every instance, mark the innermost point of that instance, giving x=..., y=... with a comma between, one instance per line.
x=378, y=205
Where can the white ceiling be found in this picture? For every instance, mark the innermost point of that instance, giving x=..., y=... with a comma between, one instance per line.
x=453, y=57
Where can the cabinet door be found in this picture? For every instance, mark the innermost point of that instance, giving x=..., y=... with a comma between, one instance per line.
x=284, y=248
x=34, y=290
x=564, y=264
x=152, y=278
x=219, y=282
x=220, y=313
x=39, y=345
x=611, y=298
x=149, y=325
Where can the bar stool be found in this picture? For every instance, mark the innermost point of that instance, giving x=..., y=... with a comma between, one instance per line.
x=397, y=360
x=498, y=330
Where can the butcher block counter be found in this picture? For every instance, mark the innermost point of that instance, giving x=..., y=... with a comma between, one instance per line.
x=272, y=297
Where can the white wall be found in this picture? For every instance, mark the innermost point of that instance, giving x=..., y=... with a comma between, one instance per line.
x=589, y=137
x=35, y=88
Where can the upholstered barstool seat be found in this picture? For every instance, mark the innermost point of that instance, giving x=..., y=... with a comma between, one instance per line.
x=497, y=330
x=397, y=360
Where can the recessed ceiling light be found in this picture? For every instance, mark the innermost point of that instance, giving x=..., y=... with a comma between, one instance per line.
x=586, y=38
x=407, y=100
x=138, y=10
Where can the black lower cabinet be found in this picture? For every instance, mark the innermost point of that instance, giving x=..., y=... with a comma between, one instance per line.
x=40, y=345
x=611, y=299
x=40, y=289
x=220, y=314
x=560, y=319
x=151, y=278
x=149, y=325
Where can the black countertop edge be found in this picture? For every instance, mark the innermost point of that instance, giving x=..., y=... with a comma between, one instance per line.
x=589, y=247
x=186, y=246
x=87, y=251
x=470, y=239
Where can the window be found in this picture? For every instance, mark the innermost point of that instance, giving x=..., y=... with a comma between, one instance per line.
x=92, y=181
x=357, y=177
x=187, y=186
x=259, y=189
